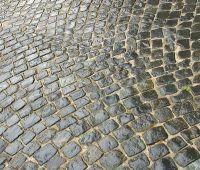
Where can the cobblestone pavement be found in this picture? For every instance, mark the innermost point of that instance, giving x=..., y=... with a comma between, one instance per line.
x=99, y=84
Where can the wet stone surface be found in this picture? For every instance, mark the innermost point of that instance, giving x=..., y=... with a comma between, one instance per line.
x=99, y=84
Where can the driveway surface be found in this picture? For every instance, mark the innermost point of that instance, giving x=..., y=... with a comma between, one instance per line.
x=99, y=84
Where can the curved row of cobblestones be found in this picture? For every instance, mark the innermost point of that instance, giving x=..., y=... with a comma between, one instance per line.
x=99, y=84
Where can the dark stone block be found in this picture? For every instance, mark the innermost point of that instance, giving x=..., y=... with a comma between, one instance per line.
x=175, y=125
x=133, y=146
x=186, y=156
x=158, y=151
x=154, y=135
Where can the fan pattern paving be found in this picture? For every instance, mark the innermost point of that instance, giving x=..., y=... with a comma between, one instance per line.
x=99, y=84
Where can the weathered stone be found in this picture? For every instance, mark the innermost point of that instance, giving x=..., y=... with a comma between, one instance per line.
x=84, y=83
x=116, y=109
x=154, y=135
x=13, y=148
x=142, y=109
x=108, y=126
x=39, y=127
x=61, y=138
x=46, y=135
x=31, y=148
x=132, y=102
x=79, y=127
x=27, y=137
x=61, y=102
x=175, y=125
x=133, y=146
x=112, y=159
x=186, y=156
x=67, y=80
x=146, y=85
x=51, y=120
x=12, y=133
x=76, y=164
x=29, y=165
x=12, y=120
x=17, y=161
x=123, y=133
x=89, y=137
x=165, y=163
x=107, y=143
x=66, y=122
x=168, y=89
x=95, y=167
x=110, y=100
x=98, y=118
x=158, y=151
x=139, y=162
x=81, y=113
x=183, y=108
x=163, y=114
x=127, y=92
x=3, y=145
x=45, y=153
x=160, y=103
x=92, y=154
x=143, y=123
x=71, y=149
x=55, y=162
x=176, y=143
x=190, y=133
x=192, y=118
x=30, y=121
x=125, y=118
x=82, y=102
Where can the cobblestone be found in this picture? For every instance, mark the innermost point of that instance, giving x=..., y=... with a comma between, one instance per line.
x=45, y=153
x=99, y=84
